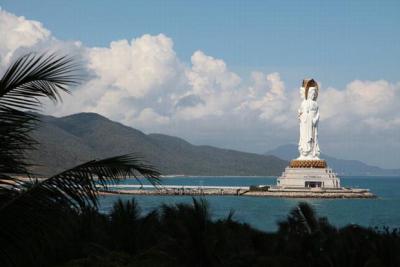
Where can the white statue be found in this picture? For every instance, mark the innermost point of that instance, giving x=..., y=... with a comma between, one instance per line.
x=309, y=117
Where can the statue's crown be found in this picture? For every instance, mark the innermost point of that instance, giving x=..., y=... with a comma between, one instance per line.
x=307, y=83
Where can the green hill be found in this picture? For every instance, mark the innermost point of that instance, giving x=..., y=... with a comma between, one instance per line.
x=71, y=140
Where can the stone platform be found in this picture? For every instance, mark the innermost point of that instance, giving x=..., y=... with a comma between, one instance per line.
x=320, y=193
x=313, y=179
x=308, y=177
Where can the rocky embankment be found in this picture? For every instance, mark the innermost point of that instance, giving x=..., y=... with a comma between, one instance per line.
x=272, y=192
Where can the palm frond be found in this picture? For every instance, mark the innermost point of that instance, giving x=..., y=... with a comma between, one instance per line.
x=306, y=214
x=15, y=139
x=33, y=210
x=30, y=77
x=77, y=187
x=301, y=220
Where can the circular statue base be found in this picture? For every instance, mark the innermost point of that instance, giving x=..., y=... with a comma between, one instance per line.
x=296, y=163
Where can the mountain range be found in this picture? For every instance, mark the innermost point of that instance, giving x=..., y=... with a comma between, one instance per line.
x=68, y=141
x=340, y=166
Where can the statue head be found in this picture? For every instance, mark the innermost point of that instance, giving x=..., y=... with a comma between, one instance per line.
x=313, y=93
x=308, y=84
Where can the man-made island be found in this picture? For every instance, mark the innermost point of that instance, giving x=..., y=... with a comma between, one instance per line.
x=256, y=191
x=307, y=176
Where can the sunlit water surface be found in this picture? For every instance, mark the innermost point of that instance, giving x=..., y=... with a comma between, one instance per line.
x=264, y=213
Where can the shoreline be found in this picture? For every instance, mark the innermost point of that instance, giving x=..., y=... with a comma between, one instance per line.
x=276, y=193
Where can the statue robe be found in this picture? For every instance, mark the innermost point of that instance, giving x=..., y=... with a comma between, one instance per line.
x=309, y=118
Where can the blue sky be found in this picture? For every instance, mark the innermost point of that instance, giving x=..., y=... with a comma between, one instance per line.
x=335, y=41
x=226, y=73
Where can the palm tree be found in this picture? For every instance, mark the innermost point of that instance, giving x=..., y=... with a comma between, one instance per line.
x=301, y=220
x=31, y=211
x=306, y=236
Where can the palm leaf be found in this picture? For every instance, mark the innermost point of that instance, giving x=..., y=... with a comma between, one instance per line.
x=37, y=208
x=30, y=211
x=15, y=127
x=301, y=220
x=30, y=77
x=307, y=216
x=77, y=187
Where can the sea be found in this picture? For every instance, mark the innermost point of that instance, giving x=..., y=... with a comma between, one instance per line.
x=265, y=212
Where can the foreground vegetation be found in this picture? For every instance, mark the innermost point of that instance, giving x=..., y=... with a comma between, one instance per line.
x=185, y=235
x=33, y=213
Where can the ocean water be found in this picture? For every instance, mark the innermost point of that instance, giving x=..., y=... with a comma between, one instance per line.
x=264, y=213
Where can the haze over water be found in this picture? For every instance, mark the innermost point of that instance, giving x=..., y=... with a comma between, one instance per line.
x=264, y=213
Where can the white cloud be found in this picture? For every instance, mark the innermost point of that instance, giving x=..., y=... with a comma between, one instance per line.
x=371, y=97
x=212, y=84
x=209, y=75
x=268, y=97
x=371, y=104
x=140, y=66
x=132, y=76
x=18, y=32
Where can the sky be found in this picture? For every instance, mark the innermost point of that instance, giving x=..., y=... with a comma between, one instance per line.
x=226, y=73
